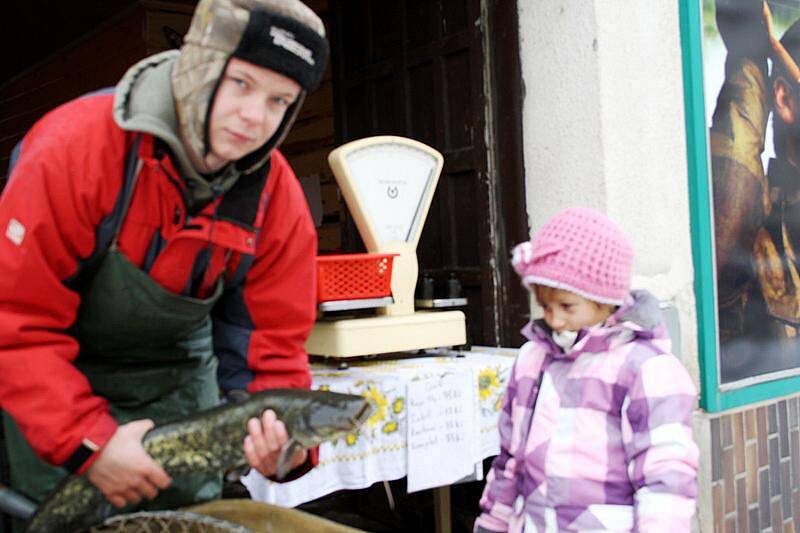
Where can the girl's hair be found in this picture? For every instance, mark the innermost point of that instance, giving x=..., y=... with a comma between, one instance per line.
x=544, y=292
x=541, y=292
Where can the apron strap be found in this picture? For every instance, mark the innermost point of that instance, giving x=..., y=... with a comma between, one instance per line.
x=133, y=165
x=107, y=233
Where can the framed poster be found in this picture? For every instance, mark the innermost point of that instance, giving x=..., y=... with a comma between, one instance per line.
x=742, y=95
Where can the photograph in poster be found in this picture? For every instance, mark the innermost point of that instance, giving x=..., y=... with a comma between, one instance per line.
x=751, y=51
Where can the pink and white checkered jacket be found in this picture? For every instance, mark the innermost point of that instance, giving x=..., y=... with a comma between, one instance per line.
x=608, y=446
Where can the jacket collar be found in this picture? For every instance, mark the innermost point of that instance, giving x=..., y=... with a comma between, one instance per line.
x=638, y=318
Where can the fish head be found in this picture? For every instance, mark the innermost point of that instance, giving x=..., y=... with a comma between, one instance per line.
x=331, y=415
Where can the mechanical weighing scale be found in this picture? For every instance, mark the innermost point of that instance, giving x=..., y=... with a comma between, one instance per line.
x=387, y=183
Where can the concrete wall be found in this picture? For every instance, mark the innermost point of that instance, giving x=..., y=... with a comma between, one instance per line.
x=603, y=126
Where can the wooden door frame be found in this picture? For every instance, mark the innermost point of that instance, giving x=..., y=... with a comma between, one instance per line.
x=507, y=207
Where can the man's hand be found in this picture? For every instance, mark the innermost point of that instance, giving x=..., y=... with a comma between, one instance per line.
x=263, y=445
x=124, y=472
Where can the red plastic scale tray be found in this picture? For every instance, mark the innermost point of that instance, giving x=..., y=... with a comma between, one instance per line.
x=354, y=276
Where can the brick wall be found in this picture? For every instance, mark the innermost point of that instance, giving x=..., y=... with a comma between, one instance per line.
x=755, y=469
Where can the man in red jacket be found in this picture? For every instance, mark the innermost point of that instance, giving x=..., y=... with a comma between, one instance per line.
x=155, y=248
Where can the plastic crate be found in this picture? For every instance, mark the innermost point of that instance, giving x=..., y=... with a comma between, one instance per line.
x=354, y=276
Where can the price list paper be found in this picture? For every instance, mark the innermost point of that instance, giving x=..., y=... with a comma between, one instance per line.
x=441, y=430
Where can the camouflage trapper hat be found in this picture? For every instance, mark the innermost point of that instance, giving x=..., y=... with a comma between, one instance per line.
x=282, y=35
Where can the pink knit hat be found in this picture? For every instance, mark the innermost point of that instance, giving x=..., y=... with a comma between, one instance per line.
x=579, y=250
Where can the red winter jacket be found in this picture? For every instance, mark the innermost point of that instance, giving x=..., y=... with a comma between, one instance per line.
x=63, y=186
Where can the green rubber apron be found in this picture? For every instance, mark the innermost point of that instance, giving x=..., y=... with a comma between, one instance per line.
x=148, y=352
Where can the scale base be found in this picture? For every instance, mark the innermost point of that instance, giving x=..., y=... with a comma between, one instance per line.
x=383, y=334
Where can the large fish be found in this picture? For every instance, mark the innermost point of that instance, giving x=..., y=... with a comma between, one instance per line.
x=210, y=442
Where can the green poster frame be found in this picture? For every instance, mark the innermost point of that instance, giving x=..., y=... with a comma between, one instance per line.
x=712, y=398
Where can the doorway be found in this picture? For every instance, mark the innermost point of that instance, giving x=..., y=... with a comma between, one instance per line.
x=446, y=73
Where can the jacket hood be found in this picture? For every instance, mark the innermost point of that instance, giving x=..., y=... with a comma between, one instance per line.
x=143, y=103
x=639, y=318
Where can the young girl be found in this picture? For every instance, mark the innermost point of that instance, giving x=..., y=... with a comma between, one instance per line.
x=596, y=427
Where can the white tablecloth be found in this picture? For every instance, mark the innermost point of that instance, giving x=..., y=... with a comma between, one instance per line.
x=379, y=450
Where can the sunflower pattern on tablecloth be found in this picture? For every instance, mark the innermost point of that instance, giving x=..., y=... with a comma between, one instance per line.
x=491, y=386
x=388, y=411
x=379, y=450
